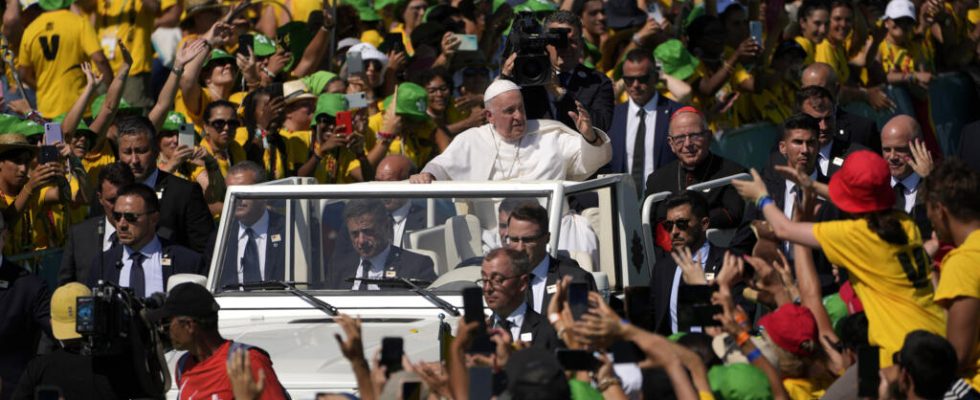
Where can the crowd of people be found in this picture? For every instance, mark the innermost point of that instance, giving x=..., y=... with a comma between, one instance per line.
x=122, y=124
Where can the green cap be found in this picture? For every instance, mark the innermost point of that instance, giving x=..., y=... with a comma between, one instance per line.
x=173, y=121
x=739, y=382
x=51, y=5
x=27, y=127
x=836, y=309
x=218, y=54
x=263, y=46
x=412, y=101
x=317, y=82
x=364, y=10
x=675, y=59
x=381, y=4
x=330, y=104
x=82, y=126
x=97, y=105
x=8, y=123
x=536, y=6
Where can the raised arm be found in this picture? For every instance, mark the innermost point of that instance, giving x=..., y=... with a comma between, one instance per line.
x=111, y=104
x=74, y=116
x=755, y=192
x=165, y=100
x=317, y=49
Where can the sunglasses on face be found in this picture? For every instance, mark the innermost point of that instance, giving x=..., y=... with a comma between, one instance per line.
x=129, y=217
x=628, y=80
x=681, y=224
x=220, y=124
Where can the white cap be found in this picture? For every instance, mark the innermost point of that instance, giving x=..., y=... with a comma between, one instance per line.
x=900, y=9
x=347, y=42
x=497, y=87
x=369, y=52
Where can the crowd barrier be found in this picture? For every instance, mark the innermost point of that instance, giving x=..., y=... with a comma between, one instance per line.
x=43, y=263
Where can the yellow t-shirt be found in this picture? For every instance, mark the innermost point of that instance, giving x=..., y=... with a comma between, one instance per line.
x=712, y=106
x=960, y=277
x=324, y=172
x=39, y=226
x=808, y=47
x=773, y=104
x=406, y=40
x=804, y=389
x=297, y=148
x=299, y=10
x=419, y=146
x=242, y=136
x=94, y=161
x=895, y=58
x=132, y=22
x=892, y=281
x=234, y=155
x=836, y=57
x=195, y=116
x=54, y=45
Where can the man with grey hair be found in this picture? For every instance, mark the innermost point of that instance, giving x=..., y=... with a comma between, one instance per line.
x=504, y=277
x=256, y=252
x=850, y=128
x=511, y=147
x=908, y=162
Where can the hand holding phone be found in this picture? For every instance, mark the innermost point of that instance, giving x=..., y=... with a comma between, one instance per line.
x=467, y=42
x=355, y=64
x=52, y=133
x=48, y=154
x=185, y=135
x=392, y=351
x=344, y=121
x=473, y=312
x=755, y=29
x=578, y=299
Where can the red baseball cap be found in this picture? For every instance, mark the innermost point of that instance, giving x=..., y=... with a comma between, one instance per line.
x=863, y=184
x=790, y=326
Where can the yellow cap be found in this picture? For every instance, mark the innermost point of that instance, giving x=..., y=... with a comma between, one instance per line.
x=63, y=311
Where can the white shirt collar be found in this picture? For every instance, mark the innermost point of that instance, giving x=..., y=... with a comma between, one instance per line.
x=378, y=261
x=825, y=150
x=151, y=180
x=402, y=212
x=516, y=317
x=151, y=248
x=260, y=227
x=541, y=270
x=650, y=106
x=910, y=182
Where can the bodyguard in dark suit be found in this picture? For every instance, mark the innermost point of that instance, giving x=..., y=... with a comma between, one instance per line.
x=898, y=136
x=370, y=230
x=408, y=216
x=504, y=277
x=690, y=140
x=142, y=261
x=818, y=102
x=97, y=234
x=639, y=128
x=850, y=128
x=184, y=215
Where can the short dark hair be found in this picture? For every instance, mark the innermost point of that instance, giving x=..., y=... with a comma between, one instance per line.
x=564, y=17
x=150, y=200
x=249, y=166
x=800, y=121
x=956, y=186
x=117, y=173
x=809, y=6
x=373, y=207
x=510, y=203
x=640, y=55
x=137, y=125
x=840, y=3
x=578, y=6
x=699, y=206
x=853, y=331
x=808, y=92
x=931, y=362
x=531, y=212
x=219, y=103
x=427, y=75
x=519, y=260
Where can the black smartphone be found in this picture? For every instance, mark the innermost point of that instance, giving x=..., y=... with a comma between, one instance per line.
x=694, y=306
x=695, y=294
x=473, y=311
x=48, y=154
x=411, y=390
x=391, y=354
x=276, y=90
x=393, y=41
x=868, y=366
x=578, y=299
x=577, y=360
x=45, y=392
x=638, y=308
x=245, y=42
x=481, y=383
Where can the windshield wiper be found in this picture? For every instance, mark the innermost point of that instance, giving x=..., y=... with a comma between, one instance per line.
x=291, y=288
x=413, y=285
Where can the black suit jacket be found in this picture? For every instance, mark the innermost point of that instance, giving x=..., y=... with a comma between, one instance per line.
x=918, y=213
x=662, y=282
x=275, y=252
x=839, y=150
x=557, y=269
x=83, y=244
x=183, y=261
x=404, y=263
x=726, y=205
x=184, y=215
x=662, y=155
x=543, y=335
x=853, y=128
x=24, y=314
x=970, y=145
x=591, y=88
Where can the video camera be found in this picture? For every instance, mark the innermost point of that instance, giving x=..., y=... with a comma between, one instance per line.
x=113, y=325
x=532, y=67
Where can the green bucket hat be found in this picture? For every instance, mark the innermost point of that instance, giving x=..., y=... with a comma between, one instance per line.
x=218, y=54
x=27, y=127
x=536, y=6
x=317, y=82
x=364, y=10
x=97, y=105
x=675, y=59
x=381, y=4
x=330, y=104
x=263, y=46
x=412, y=101
x=8, y=123
x=739, y=382
x=836, y=309
x=173, y=121
x=51, y=5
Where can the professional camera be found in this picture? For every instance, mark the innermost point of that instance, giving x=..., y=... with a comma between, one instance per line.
x=532, y=67
x=112, y=324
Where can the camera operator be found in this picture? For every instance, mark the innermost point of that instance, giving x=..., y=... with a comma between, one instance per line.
x=201, y=373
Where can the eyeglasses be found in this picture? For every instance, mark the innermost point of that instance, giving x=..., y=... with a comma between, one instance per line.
x=628, y=80
x=129, y=217
x=524, y=239
x=495, y=280
x=694, y=137
x=681, y=224
x=220, y=124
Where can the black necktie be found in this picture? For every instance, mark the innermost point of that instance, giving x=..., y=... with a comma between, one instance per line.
x=250, y=260
x=638, y=154
x=137, y=279
x=504, y=324
x=899, y=189
x=113, y=240
x=365, y=269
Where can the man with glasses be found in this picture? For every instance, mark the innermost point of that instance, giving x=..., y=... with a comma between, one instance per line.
x=527, y=231
x=184, y=216
x=690, y=141
x=504, y=278
x=144, y=261
x=639, y=126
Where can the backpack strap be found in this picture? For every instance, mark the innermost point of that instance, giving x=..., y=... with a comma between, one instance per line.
x=181, y=365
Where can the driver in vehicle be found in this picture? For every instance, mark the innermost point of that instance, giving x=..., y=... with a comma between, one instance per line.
x=375, y=258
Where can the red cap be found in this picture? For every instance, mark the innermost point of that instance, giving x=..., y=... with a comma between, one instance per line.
x=863, y=184
x=850, y=299
x=790, y=326
x=686, y=109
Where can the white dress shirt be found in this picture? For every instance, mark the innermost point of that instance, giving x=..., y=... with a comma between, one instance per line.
x=823, y=158
x=632, y=122
x=261, y=230
x=701, y=257
x=377, y=269
x=400, y=216
x=516, y=319
x=107, y=232
x=911, y=184
x=152, y=267
x=539, y=282
x=789, y=198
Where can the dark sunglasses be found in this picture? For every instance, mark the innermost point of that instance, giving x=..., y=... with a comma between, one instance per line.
x=220, y=124
x=628, y=80
x=682, y=224
x=129, y=217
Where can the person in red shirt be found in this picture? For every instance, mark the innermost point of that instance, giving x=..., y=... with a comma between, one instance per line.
x=201, y=373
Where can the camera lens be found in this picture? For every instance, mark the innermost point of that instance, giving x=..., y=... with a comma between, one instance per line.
x=531, y=70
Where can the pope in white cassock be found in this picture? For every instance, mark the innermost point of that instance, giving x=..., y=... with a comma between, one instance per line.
x=510, y=147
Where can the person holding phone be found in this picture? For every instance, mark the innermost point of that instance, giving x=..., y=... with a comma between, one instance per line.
x=221, y=151
x=28, y=195
x=504, y=277
x=338, y=152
